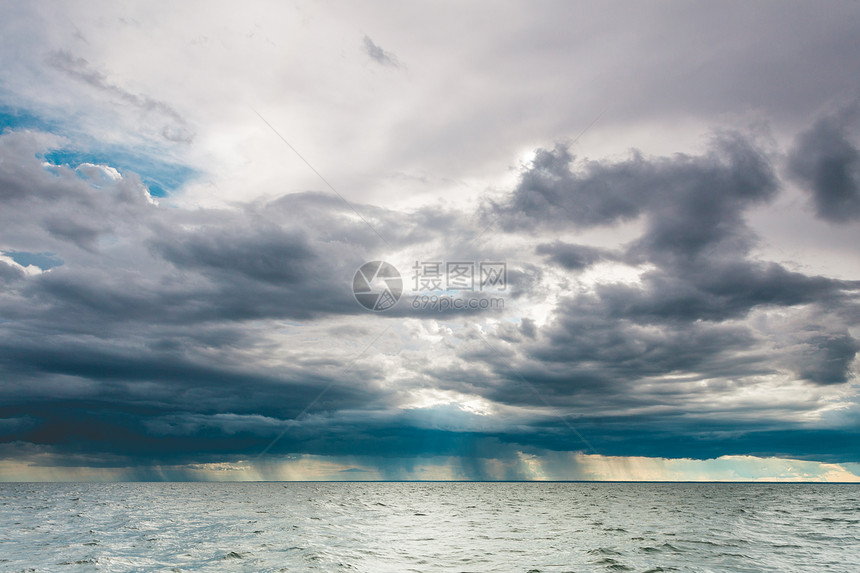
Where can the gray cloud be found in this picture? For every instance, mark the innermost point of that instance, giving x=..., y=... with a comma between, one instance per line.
x=826, y=160
x=574, y=257
x=379, y=55
x=821, y=355
x=165, y=334
x=54, y=201
x=9, y=273
x=686, y=325
x=691, y=201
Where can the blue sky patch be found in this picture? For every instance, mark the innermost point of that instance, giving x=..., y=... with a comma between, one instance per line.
x=21, y=119
x=44, y=260
x=159, y=176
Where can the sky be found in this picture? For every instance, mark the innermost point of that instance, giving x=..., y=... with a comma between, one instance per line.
x=404, y=241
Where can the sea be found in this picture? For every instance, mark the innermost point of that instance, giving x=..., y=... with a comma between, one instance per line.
x=379, y=527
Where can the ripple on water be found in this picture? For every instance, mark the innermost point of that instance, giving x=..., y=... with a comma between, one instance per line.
x=429, y=527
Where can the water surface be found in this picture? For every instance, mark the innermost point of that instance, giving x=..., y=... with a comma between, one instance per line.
x=429, y=527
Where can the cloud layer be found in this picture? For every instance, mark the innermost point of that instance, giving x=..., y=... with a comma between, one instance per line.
x=176, y=294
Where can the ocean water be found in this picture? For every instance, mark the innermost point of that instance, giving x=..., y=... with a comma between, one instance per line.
x=450, y=527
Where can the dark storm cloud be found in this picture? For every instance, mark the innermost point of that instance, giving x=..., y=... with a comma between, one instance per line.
x=271, y=257
x=8, y=273
x=824, y=357
x=608, y=350
x=826, y=160
x=551, y=194
x=143, y=345
x=694, y=234
x=716, y=292
x=147, y=398
x=692, y=201
x=597, y=365
x=274, y=259
x=679, y=438
x=146, y=319
x=574, y=257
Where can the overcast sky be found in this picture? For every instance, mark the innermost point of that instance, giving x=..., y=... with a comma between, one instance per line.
x=188, y=189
